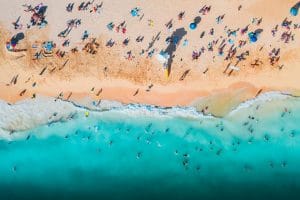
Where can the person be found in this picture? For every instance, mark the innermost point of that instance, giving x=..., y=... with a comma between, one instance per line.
x=16, y=24
x=69, y=7
x=181, y=15
x=110, y=43
x=110, y=26
x=85, y=35
x=244, y=30
x=80, y=7
x=126, y=41
x=97, y=7
x=220, y=18
x=185, y=43
x=150, y=22
x=66, y=43
x=124, y=30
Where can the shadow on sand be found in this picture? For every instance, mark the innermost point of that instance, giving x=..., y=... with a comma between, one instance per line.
x=176, y=37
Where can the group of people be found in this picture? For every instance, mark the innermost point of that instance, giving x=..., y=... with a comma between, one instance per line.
x=232, y=44
x=234, y=40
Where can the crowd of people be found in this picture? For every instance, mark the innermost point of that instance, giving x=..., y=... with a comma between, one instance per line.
x=234, y=45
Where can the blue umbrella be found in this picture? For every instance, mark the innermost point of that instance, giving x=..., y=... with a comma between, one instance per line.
x=294, y=9
x=193, y=26
x=134, y=13
x=252, y=37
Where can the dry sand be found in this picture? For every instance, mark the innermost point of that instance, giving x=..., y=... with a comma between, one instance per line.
x=85, y=74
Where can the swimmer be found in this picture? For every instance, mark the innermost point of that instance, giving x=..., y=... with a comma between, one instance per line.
x=28, y=137
x=292, y=134
x=185, y=163
x=176, y=152
x=283, y=164
x=138, y=156
x=219, y=152
x=247, y=168
x=271, y=164
x=158, y=144
x=186, y=155
x=267, y=137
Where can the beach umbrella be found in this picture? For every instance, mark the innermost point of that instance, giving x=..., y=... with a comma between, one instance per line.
x=294, y=9
x=193, y=26
x=49, y=46
x=8, y=46
x=252, y=37
x=133, y=13
x=16, y=38
x=163, y=57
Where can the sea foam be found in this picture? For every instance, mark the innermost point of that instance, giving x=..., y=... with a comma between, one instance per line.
x=31, y=113
x=260, y=99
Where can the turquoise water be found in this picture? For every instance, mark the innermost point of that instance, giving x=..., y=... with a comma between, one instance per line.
x=253, y=153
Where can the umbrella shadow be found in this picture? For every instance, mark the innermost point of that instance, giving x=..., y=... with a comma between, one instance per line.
x=197, y=20
x=258, y=31
x=176, y=37
x=16, y=38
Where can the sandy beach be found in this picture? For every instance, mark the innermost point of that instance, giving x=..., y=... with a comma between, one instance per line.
x=140, y=99
x=129, y=71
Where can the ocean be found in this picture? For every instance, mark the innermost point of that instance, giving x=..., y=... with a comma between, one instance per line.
x=59, y=150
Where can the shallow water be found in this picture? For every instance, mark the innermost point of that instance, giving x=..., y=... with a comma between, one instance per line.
x=252, y=153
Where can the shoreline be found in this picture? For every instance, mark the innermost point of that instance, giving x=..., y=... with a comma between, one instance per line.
x=220, y=101
x=215, y=101
x=31, y=113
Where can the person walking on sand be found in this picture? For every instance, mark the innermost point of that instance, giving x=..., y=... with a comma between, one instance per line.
x=85, y=35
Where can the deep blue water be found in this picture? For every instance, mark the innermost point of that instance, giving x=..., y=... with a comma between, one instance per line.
x=253, y=154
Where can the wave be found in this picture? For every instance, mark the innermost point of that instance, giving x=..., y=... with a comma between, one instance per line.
x=31, y=113
x=260, y=99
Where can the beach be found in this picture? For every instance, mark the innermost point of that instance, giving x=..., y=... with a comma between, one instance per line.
x=83, y=74
x=174, y=99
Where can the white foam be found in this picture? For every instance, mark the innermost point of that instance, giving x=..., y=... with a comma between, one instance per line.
x=262, y=98
x=140, y=109
x=148, y=110
x=30, y=113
